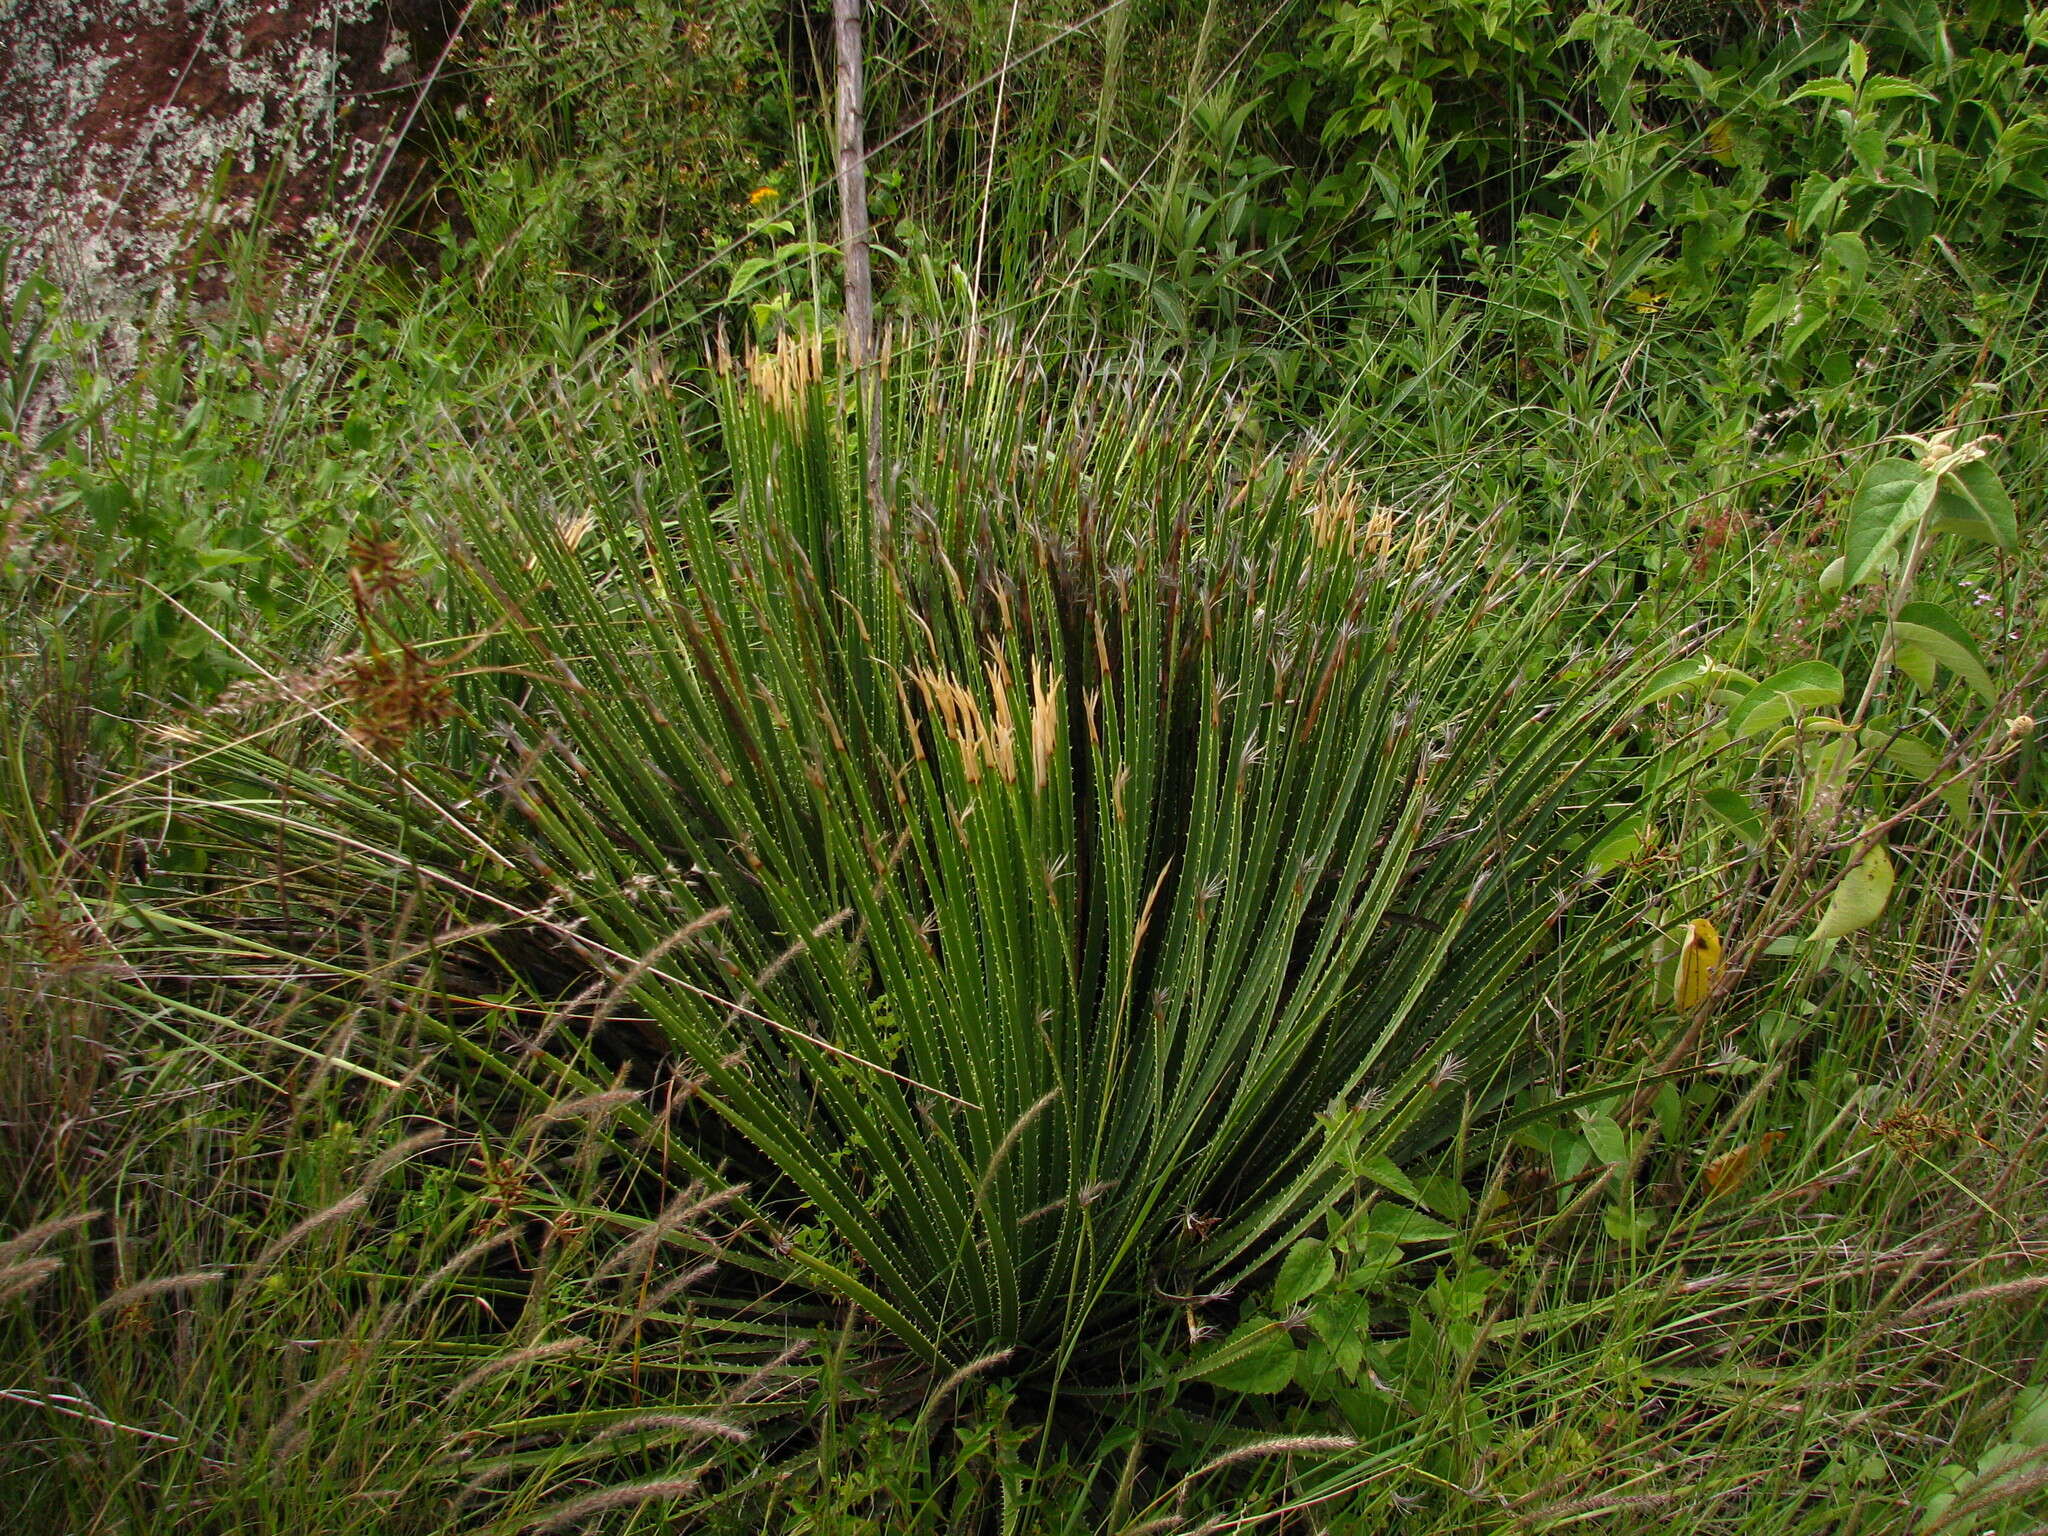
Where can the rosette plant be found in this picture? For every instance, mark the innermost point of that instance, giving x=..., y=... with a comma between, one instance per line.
x=1016, y=827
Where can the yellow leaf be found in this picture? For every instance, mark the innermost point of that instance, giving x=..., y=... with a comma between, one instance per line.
x=1726, y=1172
x=1699, y=962
x=1721, y=142
x=1645, y=301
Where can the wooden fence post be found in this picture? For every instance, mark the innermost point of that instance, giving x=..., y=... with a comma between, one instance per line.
x=853, y=186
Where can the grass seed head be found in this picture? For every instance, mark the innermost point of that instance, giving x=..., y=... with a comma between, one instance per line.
x=394, y=694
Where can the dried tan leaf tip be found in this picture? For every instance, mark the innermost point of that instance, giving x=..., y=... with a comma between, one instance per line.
x=1045, y=723
x=1333, y=516
x=1338, y=521
x=782, y=376
x=983, y=743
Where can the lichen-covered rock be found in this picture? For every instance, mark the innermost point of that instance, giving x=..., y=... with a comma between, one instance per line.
x=129, y=128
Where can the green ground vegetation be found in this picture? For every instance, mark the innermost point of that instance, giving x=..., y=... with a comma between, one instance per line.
x=1357, y=848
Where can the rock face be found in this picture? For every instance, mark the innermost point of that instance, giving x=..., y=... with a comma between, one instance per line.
x=129, y=128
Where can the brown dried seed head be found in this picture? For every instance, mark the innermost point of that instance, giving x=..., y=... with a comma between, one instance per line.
x=1912, y=1129
x=394, y=695
x=376, y=564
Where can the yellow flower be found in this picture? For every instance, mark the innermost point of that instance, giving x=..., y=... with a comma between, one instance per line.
x=762, y=194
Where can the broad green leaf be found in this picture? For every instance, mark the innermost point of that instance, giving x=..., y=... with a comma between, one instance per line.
x=1922, y=761
x=1813, y=318
x=1383, y=1171
x=2030, y=1417
x=107, y=503
x=1258, y=1357
x=1463, y=1294
x=1936, y=617
x=1568, y=1153
x=1318, y=1370
x=1344, y=1323
x=2002, y=1458
x=1616, y=846
x=1860, y=898
x=1607, y=1139
x=1890, y=500
x=1308, y=1267
x=1373, y=1258
x=1891, y=88
x=1767, y=306
x=1681, y=675
x=1910, y=753
x=1946, y=1486
x=1971, y=502
x=1944, y=649
x=1627, y=1226
x=1677, y=676
x=1407, y=1226
x=1831, y=761
x=1831, y=90
x=1743, y=818
x=1916, y=664
x=1804, y=685
x=1913, y=211
x=1445, y=1195
x=1816, y=201
x=1846, y=250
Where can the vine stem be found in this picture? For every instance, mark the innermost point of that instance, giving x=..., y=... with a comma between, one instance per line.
x=1888, y=648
